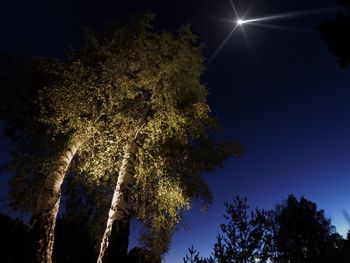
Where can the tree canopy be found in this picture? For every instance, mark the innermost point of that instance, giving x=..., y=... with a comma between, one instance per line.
x=246, y=236
x=304, y=233
x=128, y=79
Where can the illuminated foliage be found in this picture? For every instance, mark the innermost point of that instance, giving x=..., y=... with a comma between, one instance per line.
x=160, y=95
x=127, y=80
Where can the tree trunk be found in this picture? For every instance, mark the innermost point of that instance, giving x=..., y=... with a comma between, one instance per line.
x=44, y=218
x=120, y=205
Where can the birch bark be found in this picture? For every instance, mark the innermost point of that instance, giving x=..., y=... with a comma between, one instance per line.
x=44, y=219
x=119, y=209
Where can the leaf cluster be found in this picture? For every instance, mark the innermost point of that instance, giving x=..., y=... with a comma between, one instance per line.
x=127, y=80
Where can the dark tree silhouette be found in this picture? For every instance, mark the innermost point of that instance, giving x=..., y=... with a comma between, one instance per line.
x=20, y=81
x=344, y=251
x=296, y=232
x=247, y=236
x=73, y=242
x=192, y=256
x=12, y=240
x=304, y=234
x=141, y=255
x=336, y=33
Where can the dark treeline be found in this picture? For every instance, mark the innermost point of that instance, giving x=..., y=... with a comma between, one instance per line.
x=74, y=243
x=295, y=232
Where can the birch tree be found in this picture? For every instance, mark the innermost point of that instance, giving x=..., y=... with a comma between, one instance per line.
x=130, y=104
x=34, y=149
x=67, y=116
x=158, y=76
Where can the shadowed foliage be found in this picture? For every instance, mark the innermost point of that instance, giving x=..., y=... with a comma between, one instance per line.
x=336, y=33
x=296, y=232
x=304, y=234
x=12, y=240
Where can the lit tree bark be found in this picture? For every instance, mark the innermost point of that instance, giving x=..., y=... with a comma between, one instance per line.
x=44, y=219
x=119, y=209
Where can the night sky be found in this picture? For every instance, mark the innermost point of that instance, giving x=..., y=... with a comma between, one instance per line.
x=277, y=92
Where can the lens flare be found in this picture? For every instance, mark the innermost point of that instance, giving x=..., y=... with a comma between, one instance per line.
x=284, y=16
x=240, y=22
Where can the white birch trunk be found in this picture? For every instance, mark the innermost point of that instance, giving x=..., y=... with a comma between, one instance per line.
x=120, y=205
x=48, y=204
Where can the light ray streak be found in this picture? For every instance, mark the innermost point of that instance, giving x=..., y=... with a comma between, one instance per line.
x=240, y=21
x=279, y=27
x=217, y=51
x=347, y=217
x=234, y=9
x=246, y=38
x=290, y=15
x=250, y=7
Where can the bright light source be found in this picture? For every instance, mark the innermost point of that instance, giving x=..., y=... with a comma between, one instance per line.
x=240, y=21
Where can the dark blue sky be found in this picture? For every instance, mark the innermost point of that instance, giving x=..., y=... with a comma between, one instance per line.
x=281, y=95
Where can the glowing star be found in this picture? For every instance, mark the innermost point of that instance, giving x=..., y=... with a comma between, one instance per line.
x=240, y=22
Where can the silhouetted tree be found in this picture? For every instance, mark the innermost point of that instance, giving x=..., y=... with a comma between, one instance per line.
x=142, y=255
x=247, y=235
x=20, y=82
x=73, y=242
x=336, y=33
x=304, y=234
x=192, y=256
x=296, y=232
x=13, y=240
x=344, y=252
